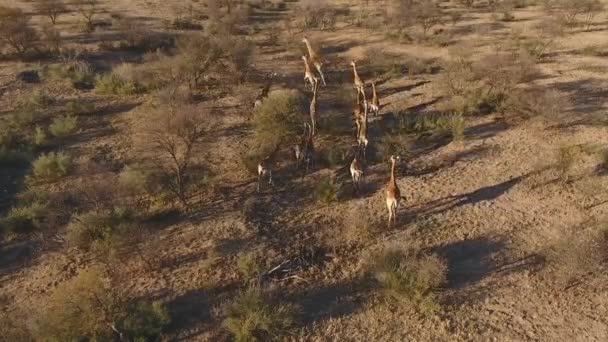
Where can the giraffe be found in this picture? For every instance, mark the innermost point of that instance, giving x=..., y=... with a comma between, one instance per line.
x=359, y=85
x=304, y=151
x=309, y=76
x=315, y=59
x=358, y=112
x=393, y=195
x=356, y=173
x=362, y=134
x=374, y=106
x=314, y=109
x=265, y=170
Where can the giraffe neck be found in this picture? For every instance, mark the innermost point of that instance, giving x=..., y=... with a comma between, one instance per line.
x=311, y=52
x=393, y=173
x=374, y=90
x=355, y=71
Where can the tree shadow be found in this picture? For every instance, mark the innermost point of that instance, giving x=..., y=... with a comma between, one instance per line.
x=469, y=261
x=333, y=301
x=486, y=130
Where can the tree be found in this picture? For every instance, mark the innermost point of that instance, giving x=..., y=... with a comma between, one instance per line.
x=197, y=55
x=88, y=9
x=51, y=8
x=15, y=30
x=168, y=136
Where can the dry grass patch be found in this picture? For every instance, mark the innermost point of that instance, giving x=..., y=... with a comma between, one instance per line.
x=253, y=316
x=407, y=275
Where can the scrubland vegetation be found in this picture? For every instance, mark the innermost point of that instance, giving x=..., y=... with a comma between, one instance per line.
x=133, y=138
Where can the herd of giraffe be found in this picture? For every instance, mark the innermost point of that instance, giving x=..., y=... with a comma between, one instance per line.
x=304, y=149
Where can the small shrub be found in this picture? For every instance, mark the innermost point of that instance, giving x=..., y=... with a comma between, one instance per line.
x=337, y=156
x=63, y=126
x=407, y=275
x=357, y=226
x=145, y=321
x=575, y=255
x=86, y=230
x=15, y=31
x=278, y=119
x=111, y=84
x=567, y=156
x=51, y=167
x=326, y=190
x=40, y=137
x=51, y=8
x=80, y=107
x=316, y=14
x=137, y=181
x=251, y=316
x=79, y=73
x=80, y=309
x=394, y=144
x=24, y=219
x=251, y=265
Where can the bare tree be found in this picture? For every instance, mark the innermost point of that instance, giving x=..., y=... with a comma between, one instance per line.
x=168, y=136
x=15, y=30
x=87, y=9
x=51, y=8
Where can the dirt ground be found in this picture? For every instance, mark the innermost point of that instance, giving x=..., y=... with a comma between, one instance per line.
x=481, y=203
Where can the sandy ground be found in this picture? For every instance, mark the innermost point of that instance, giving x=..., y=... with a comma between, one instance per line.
x=481, y=204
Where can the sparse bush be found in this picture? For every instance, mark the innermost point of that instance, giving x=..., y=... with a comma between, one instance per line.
x=337, y=156
x=405, y=14
x=198, y=55
x=15, y=30
x=80, y=107
x=357, y=226
x=83, y=308
x=51, y=8
x=408, y=275
x=240, y=52
x=93, y=229
x=167, y=138
x=137, y=181
x=40, y=137
x=326, y=190
x=316, y=14
x=145, y=321
x=570, y=10
x=24, y=219
x=251, y=316
x=63, y=126
x=394, y=144
x=575, y=255
x=250, y=265
x=567, y=156
x=52, y=39
x=112, y=84
x=278, y=119
x=51, y=167
x=79, y=73
x=88, y=9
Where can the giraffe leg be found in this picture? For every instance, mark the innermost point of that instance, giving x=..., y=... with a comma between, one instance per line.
x=259, y=180
x=318, y=67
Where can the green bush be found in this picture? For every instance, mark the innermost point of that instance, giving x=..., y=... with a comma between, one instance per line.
x=79, y=74
x=96, y=228
x=63, y=126
x=251, y=316
x=111, y=84
x=136, y=181
x=327, y=191
x=250, y=265
x=24, y=219
x=408, y=275
x=51, y=167
x=40, y=137
x=79, y=309
x=145, y=321
x=337, y=156
x=279, y=118
x=80, y=107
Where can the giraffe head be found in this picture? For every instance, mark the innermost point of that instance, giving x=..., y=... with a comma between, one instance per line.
x=353, y=63
x=304, y=58
x=394, y=158
x=304, y=40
